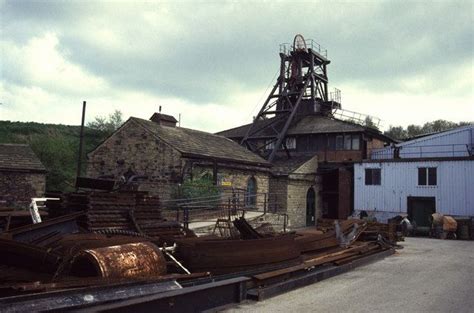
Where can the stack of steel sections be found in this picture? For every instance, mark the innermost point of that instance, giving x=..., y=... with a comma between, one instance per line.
x=312, y=239
x=220, y=256
x=124, y=212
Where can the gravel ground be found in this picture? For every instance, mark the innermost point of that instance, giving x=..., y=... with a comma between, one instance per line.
x=428, y=275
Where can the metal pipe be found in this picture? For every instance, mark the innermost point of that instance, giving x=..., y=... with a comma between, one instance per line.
x=176, y=261
x=81, y=139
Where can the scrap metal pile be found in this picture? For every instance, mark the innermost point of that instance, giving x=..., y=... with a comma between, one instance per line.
x=333, y=241
x=109, y=236
x=118, y=238
x=120, y=213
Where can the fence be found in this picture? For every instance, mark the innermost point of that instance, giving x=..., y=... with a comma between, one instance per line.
x=423, y=151
x=286, y=48
x=221, y=203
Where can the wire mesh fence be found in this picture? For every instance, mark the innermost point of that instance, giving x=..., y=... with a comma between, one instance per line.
x=219, y=203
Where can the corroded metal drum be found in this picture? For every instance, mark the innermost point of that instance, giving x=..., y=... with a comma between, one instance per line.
x=141, y=259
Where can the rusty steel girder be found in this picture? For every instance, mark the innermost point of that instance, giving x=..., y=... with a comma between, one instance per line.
x=141, y=259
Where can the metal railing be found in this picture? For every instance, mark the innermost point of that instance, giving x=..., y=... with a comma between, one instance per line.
x=423, y=151
x=34, y=207
x=335, y=95
x=228, y=204
x=358, y=118
x=287, y=48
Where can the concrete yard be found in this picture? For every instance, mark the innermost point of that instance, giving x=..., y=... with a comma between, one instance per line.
x=428, y=275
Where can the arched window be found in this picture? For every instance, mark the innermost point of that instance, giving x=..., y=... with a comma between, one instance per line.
x=251, y=193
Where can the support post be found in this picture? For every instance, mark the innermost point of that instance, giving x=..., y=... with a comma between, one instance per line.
x=214, y=172
x=282, y=73
x=186, y=218
x=81, y=139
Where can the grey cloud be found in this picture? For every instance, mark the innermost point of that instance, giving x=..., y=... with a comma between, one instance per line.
x=215, y=50
x=400, y=42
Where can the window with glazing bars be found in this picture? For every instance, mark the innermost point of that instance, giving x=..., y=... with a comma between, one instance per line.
x=373, y=176
x=427, y=176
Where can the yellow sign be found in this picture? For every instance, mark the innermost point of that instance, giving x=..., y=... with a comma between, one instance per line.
x=226, y=183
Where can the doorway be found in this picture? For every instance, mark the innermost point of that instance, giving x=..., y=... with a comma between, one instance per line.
x=419, y=210
x=310, y=207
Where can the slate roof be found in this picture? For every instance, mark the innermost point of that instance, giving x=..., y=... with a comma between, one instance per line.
x=310, y=124
x=19, y=157
x=160, y=116
x=197, y=143
x=283, y=166
x=314, y=124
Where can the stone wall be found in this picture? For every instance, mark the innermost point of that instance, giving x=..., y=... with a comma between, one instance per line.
x=133, y=150
x=318, y=186
x=297, y=191
x=17, y=188
x=278, y=194
x=238, y=179
x=290, y=194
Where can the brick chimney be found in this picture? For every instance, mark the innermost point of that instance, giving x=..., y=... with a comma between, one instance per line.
x=163, y=119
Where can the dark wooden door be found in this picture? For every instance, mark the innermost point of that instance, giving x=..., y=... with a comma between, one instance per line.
x=419, y=210
x=310, y=207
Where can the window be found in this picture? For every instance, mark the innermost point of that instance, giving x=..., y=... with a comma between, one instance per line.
x=290, y=144
x=427, y=176
x=372, y=176
x=251, y=192
x=269, y=144
x=355, y=142
x=339, y=142
x=347, y=142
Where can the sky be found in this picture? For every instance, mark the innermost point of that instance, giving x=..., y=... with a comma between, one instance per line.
x=213, y=62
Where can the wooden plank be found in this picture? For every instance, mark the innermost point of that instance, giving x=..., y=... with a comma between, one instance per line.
x=312, y=262
x=279, y=272
x=331, y=257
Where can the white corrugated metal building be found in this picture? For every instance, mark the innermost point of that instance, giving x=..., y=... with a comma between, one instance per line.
x=457, y=142
x=417, y=177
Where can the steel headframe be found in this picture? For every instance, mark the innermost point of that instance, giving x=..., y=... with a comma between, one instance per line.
x=303, y=77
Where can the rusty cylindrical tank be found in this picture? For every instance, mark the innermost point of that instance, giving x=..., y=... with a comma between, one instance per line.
x=133, y=260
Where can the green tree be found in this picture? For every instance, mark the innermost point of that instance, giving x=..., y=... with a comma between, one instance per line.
x=414, y=130
x=109, y=124
x=370, y=123
x=199, y=188
x=58, y=155
x=396, y=132
x=438, y=126
x=55, y=145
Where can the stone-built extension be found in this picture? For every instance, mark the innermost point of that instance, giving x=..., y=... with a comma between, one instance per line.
x=166, y=155
x=22, y=175
x=293, y=188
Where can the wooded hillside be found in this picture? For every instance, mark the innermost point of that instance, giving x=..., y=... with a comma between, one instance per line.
x=57, y=147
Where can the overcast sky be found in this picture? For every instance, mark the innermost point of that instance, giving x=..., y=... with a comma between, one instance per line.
x=404, y=62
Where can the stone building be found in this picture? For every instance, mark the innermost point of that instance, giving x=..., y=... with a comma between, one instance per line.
x=22, y=175
x=325, y=148
x=165, y=155
x=293, y=189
